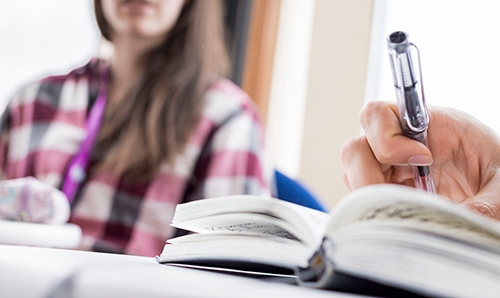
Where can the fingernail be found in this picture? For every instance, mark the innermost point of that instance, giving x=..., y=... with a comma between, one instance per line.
x=420, y=160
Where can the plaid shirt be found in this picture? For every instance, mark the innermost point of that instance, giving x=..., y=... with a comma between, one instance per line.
x=43, y=127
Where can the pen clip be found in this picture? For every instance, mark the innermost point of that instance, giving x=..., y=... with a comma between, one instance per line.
x=405, y=63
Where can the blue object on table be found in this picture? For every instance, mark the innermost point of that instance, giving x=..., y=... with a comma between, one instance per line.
x=292, y=191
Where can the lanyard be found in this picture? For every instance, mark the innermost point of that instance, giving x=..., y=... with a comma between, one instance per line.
x=76, y=172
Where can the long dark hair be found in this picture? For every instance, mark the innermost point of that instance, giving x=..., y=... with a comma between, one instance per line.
x=157, y=119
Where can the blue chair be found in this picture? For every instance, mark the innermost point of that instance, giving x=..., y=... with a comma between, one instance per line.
x=292, y=191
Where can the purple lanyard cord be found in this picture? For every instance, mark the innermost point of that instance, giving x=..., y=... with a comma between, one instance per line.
x=77, y=167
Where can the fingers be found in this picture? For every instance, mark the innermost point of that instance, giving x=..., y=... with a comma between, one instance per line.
x=374, y=158
x=360, y=166
x=387, y=142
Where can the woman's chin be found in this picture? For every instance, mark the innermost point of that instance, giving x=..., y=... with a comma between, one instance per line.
x=138, y=33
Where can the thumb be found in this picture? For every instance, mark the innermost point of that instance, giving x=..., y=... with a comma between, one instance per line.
x=400, y=150
x=383, y=132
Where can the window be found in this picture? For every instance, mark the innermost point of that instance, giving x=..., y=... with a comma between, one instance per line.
x=459, y=43
x=43, y=37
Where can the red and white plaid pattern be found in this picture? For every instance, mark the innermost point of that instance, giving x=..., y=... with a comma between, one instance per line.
x=44, y=124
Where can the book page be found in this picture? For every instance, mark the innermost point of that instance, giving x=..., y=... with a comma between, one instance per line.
x=397, y=254
x=252, y=214
x=250, y=224
x=429, y=217
x=413, y=208
x=235, y=247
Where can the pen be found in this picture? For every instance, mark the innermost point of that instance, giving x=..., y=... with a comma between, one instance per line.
x=413, y=114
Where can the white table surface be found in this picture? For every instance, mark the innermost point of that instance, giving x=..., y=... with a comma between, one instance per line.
x=33, y=234
x=46, y=272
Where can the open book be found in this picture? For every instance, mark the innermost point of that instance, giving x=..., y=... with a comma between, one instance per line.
x=379, y=236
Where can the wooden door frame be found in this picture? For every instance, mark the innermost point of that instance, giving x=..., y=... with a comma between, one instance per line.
x=260, y=48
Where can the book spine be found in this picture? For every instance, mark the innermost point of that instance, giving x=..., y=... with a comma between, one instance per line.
x=321, y=266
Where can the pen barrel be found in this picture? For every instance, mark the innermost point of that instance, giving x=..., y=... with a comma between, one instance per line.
x=413, y=114
x=405, y=65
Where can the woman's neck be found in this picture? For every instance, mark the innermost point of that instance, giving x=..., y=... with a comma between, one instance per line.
x=125, y=60
x=126, y=65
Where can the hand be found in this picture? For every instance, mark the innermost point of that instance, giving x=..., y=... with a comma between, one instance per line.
x=464, y=153
x=29, y=199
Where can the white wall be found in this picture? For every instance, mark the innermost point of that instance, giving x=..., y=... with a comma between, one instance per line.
x=285, y=117
x=43, y=37
x=335, y=94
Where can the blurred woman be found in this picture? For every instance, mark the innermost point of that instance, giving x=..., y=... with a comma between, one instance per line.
x=129, y=138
